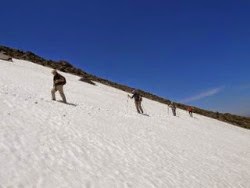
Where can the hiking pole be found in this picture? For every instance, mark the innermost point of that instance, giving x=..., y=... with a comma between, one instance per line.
x=128, y=96
x=127, y=103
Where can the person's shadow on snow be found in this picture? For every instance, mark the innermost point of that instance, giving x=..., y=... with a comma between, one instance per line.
x=146, y=115
x=68, y=103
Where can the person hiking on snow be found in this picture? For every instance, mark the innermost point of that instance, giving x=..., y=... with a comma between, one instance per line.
x=190, y=111
x=138, y=99
x=58, y=82
x=173, y=107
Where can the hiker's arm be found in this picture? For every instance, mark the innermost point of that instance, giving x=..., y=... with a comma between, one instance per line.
x=60, y=80
x=57, y=81
x=130, y=96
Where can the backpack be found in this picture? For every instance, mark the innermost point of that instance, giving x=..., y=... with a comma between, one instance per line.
x=64, y=81
x=62, y=78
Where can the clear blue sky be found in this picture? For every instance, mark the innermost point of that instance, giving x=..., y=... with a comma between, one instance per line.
x=196, y=52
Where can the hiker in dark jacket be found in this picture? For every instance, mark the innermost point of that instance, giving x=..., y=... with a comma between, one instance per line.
x=58, y=82
x=173, y=107
x=190, y=111
x=138, y=99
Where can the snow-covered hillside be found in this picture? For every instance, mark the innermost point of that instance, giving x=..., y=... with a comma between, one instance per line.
x=100, y=141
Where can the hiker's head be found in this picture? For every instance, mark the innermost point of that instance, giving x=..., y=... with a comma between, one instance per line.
x=54, y=72
x=133, y=91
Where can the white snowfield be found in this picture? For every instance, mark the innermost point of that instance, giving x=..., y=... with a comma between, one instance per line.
x=99, y=140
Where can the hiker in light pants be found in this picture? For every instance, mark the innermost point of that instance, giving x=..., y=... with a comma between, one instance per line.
x=138, y=100
x=58, y=82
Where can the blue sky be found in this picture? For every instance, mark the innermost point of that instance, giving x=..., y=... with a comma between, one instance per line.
x=196, y=52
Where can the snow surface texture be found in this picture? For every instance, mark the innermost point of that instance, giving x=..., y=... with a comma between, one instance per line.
x=99, y=140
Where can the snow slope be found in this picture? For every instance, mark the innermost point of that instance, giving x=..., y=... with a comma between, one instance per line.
x=100, y=141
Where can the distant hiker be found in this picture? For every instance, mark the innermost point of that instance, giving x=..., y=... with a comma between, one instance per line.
x=58, y=82
x=138, y=99
x=217, y=115
x=173, y=107
x=190, y=111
